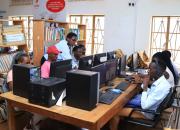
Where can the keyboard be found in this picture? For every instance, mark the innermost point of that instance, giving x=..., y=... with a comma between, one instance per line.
x=108, y=97
x=123, y=85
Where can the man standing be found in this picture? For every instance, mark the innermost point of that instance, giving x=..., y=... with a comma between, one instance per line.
x=66, y=46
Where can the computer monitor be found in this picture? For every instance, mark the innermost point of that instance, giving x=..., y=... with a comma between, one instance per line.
x=111, y=67
x=99, y=58
x=135, y=61
x=123, y=63
x=85, y=62
x=102, y=70
x=59, y=68
x=111, y=55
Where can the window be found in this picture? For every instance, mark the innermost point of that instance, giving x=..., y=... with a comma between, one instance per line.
x=165, y=34
x=94, y=31
x=28, y=28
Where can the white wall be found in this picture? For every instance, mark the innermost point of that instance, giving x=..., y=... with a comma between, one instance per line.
x=148, y=8
x=15, y=10
x=125, y=27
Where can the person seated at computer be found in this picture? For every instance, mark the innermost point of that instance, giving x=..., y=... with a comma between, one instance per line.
x=77, y=53
x=151, y=97
x=167, y=58
x=83, y=49
x=19, y=58
x=52, y=52
x=168, y=73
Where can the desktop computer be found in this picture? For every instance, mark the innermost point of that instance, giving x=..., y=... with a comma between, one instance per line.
x=22, y=75
x=46, y=92
x=82, y=90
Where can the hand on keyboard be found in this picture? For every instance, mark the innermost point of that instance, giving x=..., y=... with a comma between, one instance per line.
x=123, y=85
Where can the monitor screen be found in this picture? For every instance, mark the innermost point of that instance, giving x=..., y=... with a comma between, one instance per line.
x=111, y=55
x=123, y=63
x=111, y=67
x=59, y=68
x=85, y=62
x=99, y=58
x=102, y=70
x=135, y=61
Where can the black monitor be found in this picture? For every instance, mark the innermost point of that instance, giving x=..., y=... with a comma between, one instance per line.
x=111, y=67
x=85, y=62
x=102, y=70
x=123, y=63
x=99, y=58
x=111, y=55
x=59, y=68
x=135, y=61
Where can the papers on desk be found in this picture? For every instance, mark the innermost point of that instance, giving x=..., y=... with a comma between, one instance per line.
x=60, y=100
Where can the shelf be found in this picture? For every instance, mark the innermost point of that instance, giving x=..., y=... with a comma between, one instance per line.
x=9, y=44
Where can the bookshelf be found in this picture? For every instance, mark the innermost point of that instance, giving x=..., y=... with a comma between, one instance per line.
x=11, y=34
x=8, y=34
x=49, y=32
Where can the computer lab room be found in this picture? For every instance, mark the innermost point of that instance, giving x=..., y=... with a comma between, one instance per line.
x=89, y=65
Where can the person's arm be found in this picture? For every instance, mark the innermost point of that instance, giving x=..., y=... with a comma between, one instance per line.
x=10, y=80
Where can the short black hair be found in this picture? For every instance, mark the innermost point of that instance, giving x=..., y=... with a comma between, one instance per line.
x=166, y=53
x=75, y=48
x=71, y=34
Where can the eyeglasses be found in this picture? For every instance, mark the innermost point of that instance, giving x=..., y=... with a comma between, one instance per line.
x=74, y=39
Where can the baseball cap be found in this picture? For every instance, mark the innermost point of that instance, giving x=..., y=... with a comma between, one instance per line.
x=53, y=50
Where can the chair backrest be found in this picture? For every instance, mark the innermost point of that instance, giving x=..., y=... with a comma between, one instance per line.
x=167, y=102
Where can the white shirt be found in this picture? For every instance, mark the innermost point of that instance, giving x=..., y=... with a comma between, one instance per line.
x=152, y=98
x=75, y=62
x=171, y=77
x=64, y=48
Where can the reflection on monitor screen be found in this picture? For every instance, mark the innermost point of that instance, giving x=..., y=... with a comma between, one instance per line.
x=99, y=58
x=111, y=67
x=59, y=68
x=123, y=63
x=102, y=70
x=135, y=61
x=111, y=55
x=85, y=62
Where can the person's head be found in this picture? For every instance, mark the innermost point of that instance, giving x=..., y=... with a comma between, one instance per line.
x=77, y=51
x=156, y=69
x=23, y=58
x=166, y=53
x=52, y=52
x=83, y=49
x=71, y=38
x=157, y=56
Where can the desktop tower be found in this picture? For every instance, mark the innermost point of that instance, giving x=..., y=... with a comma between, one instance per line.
x=21, y=78
x=82, y=89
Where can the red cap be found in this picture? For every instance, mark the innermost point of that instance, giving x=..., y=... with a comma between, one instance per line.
x=53, y=50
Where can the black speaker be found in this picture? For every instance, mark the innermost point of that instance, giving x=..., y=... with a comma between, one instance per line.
x=22, y=74
x=82, y=90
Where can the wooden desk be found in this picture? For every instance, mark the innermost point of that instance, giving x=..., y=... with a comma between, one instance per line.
x=93, y=120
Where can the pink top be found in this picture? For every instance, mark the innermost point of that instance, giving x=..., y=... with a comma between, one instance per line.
x=45, y=69
x=9, y=76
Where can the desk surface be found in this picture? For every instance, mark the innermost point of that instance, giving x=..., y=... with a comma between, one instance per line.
x=82, y=118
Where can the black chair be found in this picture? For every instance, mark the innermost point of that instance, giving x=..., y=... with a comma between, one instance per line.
x=166, y=103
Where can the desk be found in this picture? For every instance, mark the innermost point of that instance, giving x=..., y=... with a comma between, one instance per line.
x=93, y=120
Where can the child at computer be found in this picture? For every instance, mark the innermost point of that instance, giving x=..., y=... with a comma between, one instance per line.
x=52, y=52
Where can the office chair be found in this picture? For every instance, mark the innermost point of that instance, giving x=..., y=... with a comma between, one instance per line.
x=166, y=103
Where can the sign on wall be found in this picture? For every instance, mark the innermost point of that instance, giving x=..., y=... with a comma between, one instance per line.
x=55, y=6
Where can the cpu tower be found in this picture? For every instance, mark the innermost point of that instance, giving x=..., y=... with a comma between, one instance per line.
x=82, y=89
x=22, y=74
